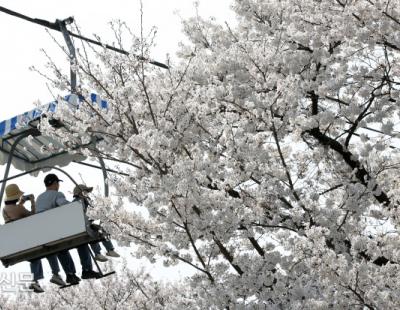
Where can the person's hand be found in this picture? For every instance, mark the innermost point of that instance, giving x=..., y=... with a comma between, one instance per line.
x=21, y=201
x=25, y=198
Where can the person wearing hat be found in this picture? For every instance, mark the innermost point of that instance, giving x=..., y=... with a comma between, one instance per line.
x=13, y=210
x=81, y=192
x=44, y=202
x=53, y=198
x=14, y=204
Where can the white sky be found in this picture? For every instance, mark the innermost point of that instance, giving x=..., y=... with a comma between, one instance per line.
x=21, y=42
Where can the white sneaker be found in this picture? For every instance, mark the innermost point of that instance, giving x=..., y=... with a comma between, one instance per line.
x=36, y=287
x=112, y=253
x=56, y=279
x=100, y=258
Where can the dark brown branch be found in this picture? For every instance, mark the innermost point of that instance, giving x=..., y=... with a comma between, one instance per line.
x=193, y=265
x=361, y=173
x=358, y=120
x=225, y=253
x=187, y=230
x=257, y=246
x=288, y=176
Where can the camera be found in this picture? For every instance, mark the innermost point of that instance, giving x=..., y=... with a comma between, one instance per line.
x=26, y=197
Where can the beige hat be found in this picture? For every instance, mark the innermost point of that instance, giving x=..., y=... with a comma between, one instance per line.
x=81, y=188
x=13, y=192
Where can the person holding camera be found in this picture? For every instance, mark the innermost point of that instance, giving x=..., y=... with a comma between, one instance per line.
x=13, y=210
x=14, y=204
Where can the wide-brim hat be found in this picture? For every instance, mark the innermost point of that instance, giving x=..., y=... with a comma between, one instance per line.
x=81, y=188
x=13, y=192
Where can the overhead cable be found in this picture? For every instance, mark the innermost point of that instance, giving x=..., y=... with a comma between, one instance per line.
x=56, y=26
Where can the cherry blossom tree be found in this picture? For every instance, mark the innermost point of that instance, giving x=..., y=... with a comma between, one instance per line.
x=125, y=290
x=266, y=156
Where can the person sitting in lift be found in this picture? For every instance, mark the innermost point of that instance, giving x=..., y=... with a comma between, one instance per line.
x=14, y=210
x=64, y=256
x=53, y=198
x=14, y=204
x=18, y=211
x=81, y=192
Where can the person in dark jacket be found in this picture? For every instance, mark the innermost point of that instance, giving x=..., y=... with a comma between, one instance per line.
x=81, y=192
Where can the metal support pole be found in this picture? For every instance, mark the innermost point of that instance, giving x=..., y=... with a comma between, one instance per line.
x=37, y=169
x=102, y=275
x=97, y=167
x=103, y=168
x=72, y=54
x=97, y=265
x=10, y=157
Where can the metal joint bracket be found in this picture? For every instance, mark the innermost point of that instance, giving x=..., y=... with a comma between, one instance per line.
x=72, y=53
